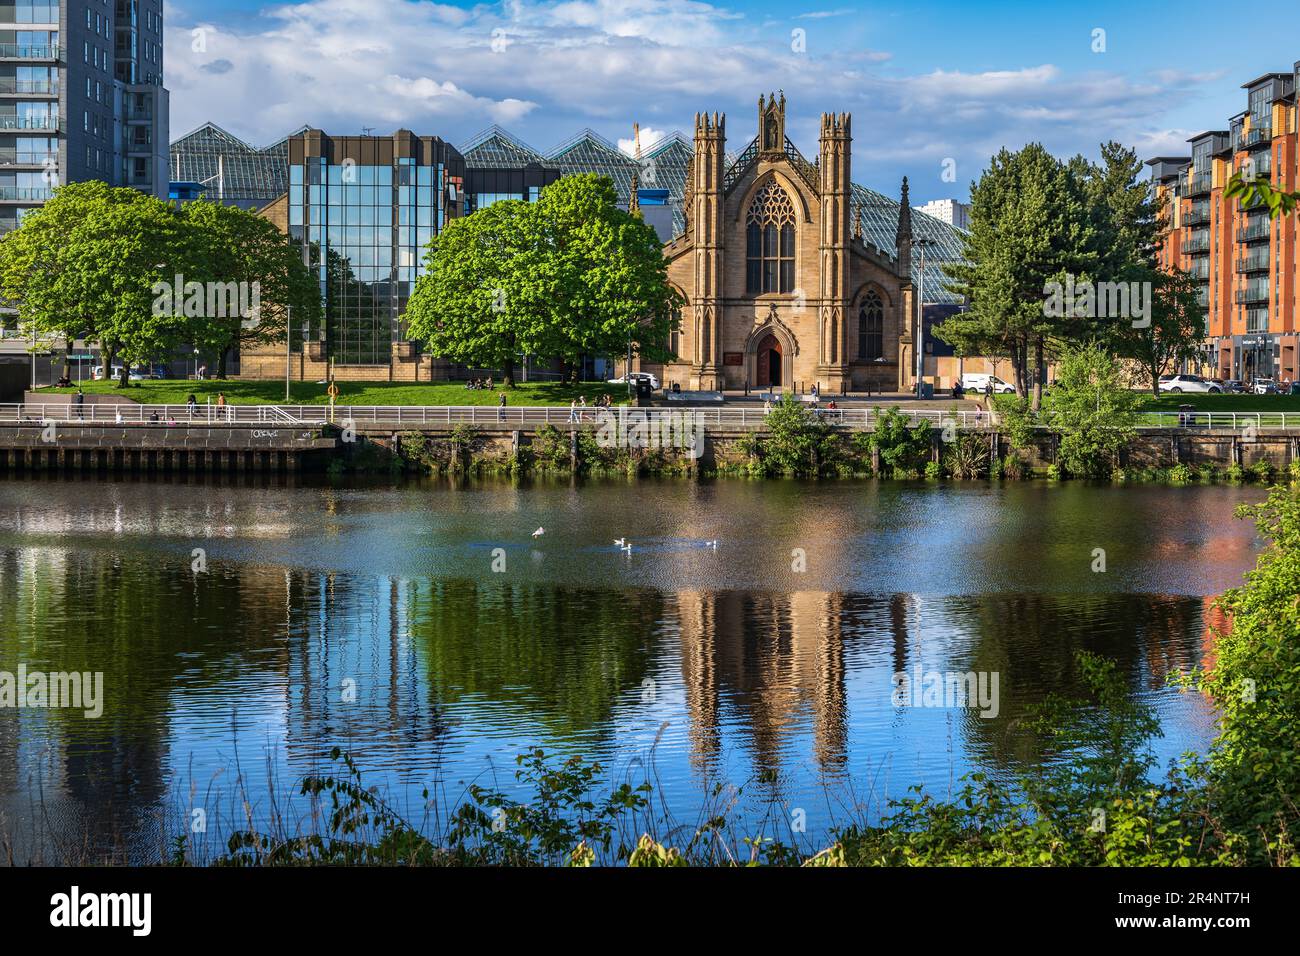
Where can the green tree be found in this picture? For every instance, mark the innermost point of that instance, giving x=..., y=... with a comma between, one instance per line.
x=1092, y=411
x=484, y=298
x=85, y=264
x=1175, y=332
x=240, y=248
x=610, y=276
x=1031, y=225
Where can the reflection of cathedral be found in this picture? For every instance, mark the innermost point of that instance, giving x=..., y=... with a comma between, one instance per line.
x=781, y=288
x=778, y=654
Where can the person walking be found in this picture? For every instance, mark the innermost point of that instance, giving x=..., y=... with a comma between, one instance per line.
x=191, y=404
x=573, y=411
x=501, y=407
x=79, y=400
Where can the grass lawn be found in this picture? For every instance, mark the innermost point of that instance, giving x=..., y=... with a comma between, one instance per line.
x=1223, y=403
x=241, y=392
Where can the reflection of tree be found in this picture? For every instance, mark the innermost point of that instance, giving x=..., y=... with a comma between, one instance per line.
x=149, y=628
x=563, y=656
x=1030, y=640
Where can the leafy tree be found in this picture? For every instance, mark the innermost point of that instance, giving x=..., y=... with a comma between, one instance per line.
x=1031, y=225
x=1092, y=411
x=237, y=247
x=1176, y=330
x=484, y=299
x=84, y=265
x=799, y=442
x=902, y=446
x=569, y=275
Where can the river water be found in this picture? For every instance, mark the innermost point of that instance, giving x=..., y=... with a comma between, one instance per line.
x=426, y=631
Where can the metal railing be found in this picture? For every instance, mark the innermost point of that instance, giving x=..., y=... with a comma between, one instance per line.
x=416, y=416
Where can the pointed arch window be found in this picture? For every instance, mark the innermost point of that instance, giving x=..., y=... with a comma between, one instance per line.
x=871, y=328
x=769, y=242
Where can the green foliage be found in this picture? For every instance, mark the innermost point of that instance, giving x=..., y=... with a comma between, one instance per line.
x=1254, y=768
x=798, y=442
x=903, y=448
x=1181, y=474
x=567, y=275
x=238, y=246
x=85, y=265
x=1092, y=412
x=933, y=471
x=1260, y=191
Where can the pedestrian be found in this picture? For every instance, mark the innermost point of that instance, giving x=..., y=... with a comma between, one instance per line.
x=79, y=400
x=221, y=399
x=501, y=407
x=119, y=414
x=191, y=404
x=582, y=408
x=573, y=411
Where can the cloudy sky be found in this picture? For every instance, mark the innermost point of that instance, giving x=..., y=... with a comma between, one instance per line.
x=934, y=87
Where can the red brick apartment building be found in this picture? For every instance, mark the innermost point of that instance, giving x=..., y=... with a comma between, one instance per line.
x=1246, y=262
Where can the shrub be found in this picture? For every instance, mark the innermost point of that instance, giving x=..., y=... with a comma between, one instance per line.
x=1181, y=474
x=799, y=442
x=902, y=447
x=933, y=471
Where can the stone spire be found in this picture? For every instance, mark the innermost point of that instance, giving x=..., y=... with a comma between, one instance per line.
x=903, y=238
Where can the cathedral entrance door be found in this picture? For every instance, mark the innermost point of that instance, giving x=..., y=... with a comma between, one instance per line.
x=768, y=365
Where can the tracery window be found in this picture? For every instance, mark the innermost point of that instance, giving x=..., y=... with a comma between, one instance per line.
x=769, y=240
x=871, y=328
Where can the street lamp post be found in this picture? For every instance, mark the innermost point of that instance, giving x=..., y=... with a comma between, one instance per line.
x=288, y=350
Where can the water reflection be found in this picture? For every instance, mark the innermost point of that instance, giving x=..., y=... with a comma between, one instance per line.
x=305, y=632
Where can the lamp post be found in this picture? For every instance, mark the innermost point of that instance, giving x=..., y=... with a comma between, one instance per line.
x=288, y=350
x=196, y=365
x=920, y=317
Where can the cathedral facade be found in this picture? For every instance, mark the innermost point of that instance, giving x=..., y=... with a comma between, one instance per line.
x=781, y=291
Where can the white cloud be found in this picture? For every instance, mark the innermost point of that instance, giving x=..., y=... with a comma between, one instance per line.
x=547, y=69
x=649, y=136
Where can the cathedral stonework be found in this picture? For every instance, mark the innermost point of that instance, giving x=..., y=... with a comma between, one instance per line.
x=781, y=290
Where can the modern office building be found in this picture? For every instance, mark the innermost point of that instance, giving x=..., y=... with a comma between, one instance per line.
x=81, y=97
x=951, y=211
x=362, y=209
x=1246, y=261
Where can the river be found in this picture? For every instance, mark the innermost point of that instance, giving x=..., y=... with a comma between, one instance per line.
x=244, y=629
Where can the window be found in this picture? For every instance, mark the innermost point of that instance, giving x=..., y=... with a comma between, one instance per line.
x=871, y=328
x=769, y=240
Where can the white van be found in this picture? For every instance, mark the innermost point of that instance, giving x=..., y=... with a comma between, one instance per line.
x=978, y=382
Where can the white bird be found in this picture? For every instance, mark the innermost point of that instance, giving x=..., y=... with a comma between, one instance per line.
x=628, y=547
x=539, y=532
x=714, y=544
x=620, y=541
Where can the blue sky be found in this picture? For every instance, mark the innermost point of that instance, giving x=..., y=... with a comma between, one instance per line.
x=932, y=86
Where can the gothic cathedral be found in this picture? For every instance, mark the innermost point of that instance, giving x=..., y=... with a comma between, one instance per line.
x=781, y=289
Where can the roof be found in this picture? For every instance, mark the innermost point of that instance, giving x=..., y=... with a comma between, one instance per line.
x=494, y=148
x=220, y=160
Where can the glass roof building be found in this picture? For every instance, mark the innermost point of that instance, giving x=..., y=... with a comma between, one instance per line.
x=228, y=169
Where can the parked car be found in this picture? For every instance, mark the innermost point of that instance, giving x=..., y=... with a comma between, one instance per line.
x=979, y=381
x=1234, y=386
x=1263, y=386
x=1295, y=389
x=637, y=377
x=1177, y=384
x=97, y=372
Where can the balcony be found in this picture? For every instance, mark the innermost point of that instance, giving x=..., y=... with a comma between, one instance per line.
x=1258, y=136
x=1197, y=216
x=48, y=121
x=1203, y=297
x=1254, y=262
x=26, y=193
x=1256, y=320
x=1197, y=244
x=28, y=51
x=12, y=157
x=41, y=87
x=1200, y=269
x=1199, y=185
x=1254, y=231
x=1255, y=293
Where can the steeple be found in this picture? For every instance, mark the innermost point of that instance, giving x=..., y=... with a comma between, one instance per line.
x=771, y=124
x=903, y=238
